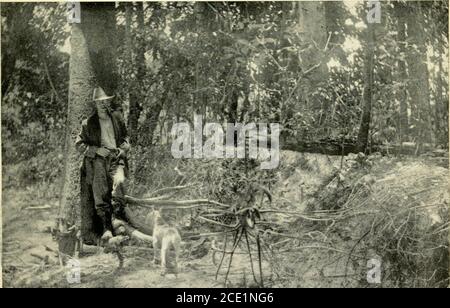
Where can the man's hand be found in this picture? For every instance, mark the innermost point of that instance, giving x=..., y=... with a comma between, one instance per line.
x=103, y=152
x=121, y=153
x=118, y=153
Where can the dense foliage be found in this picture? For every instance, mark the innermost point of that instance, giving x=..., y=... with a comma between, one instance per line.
x=235, y=62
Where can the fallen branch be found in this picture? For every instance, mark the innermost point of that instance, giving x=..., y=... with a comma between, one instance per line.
x=42, y=258
x=218, y=223
x=170, y=189
x=319, y=247
x=206, y=234
x=43, y=207
x=183, y=204
x=298, y=214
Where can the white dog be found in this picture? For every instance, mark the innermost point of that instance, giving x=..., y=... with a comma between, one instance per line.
x=165, y=237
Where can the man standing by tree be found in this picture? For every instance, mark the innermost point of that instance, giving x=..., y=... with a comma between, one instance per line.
x=104, y=143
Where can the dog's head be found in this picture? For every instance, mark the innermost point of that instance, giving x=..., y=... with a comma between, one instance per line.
x=157, y=218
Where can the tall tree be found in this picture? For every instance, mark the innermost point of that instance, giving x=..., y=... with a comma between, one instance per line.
x=151, y=108
x=441, y=103
x=92, y=63
x=128, y=62
x=418, y=85
x=401, y=36
x=312, y=26
x=363, y=135
x=136, y=57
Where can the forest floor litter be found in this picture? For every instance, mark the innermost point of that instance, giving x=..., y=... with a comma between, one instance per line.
x=335, y=215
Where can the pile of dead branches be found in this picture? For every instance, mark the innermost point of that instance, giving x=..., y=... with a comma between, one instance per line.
x=399, y=216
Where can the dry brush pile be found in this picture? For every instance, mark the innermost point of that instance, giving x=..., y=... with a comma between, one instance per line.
x=383, y=208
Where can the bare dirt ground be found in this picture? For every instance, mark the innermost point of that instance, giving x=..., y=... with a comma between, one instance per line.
x=315, y=256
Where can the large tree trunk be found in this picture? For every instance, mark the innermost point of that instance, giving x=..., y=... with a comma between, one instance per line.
x=363, y=135
x=418, y=78
x=92, y=63
x=401, y=28
x=312, y=26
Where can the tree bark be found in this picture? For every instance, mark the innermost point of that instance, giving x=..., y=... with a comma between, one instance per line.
x=437, y=102
x=363, y=135
x=313, y=25
x=137, y=84
x=92, y=63
x=442, y=104
x=313, y=28
x=129, y=43
x=401, y=35
x=418, y=85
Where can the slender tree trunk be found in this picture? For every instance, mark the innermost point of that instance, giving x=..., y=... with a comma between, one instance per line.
x=92, y=63
x=442, y=103
x=418, y=85
x=401, y=28
x=363, y=136
x=136, y=93
x=153, y=111
x=439, y=105
x=133, y=111
x=128, y=58
x=233, y=106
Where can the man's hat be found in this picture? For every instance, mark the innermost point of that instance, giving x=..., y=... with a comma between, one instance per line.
x=100, y=95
